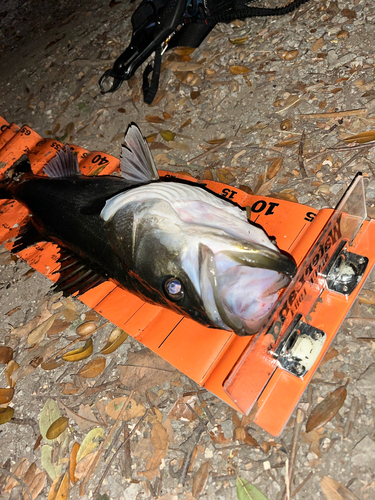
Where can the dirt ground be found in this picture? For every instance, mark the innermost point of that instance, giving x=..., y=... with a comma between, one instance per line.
x=283, y=94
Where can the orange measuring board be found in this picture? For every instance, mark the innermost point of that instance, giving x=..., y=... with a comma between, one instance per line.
x=333, y=251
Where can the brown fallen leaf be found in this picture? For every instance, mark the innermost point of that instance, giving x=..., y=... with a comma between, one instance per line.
x=274, y=168
x=56, y=428
x=19, y=469
x=154, y=119
x=367, y=297
x=159, y=436
x=241, y=434
x=133, y=410
x=333, y=490
x=116, y=338
x=80, y=353
x=287, y=144
x=238, y=41
x=144, y=370
x=6, y=414
x=284, y=196
x=200, y=479
x=181, y=410
x=239, y=70
x=40, y=331
x=37, y=485
x=313, y=438
x=73, y=462
x=6, y=354
x=326, y=409
x=265, y=188
x=85, y=419
x=84, y=464
x=51, y=364
x=6, y=395
x=59, y=325
x=30, y=474
x=60, y=488
x=361, y=138
x=219, y=438
x=86, y=328
x=330, y=354
x=93, y=368
x=12, y=366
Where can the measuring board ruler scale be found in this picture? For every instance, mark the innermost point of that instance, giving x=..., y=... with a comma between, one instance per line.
x=332, y=249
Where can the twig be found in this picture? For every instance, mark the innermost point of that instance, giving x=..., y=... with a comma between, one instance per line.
x=127, y=454
x=287, y=479
x=97, y=489
x=101, y=449
x=335, y=114
x=357, y=155
x=297, y=490
x=150, y=404
x=300, y=155
x=7, y=472
x=341, y=148
x=211, y=150
x=26, y=421
x=295, y=444
x=206, y=408
x=348, y=427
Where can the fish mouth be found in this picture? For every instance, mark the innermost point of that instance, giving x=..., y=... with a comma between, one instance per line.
x=249, y=256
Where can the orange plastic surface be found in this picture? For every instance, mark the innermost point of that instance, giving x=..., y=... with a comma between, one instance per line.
x=208, y=356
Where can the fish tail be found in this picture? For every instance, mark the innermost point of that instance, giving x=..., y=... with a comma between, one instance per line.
x=13, y=175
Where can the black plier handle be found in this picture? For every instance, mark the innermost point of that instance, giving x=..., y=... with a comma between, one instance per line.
x=153, y=23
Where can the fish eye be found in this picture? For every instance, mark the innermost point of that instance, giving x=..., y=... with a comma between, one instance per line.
x=174, y=289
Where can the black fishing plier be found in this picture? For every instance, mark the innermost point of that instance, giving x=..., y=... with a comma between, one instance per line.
x=157, y=25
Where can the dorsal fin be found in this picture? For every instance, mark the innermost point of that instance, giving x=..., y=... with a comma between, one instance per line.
x=137, y=163
x=64, y=164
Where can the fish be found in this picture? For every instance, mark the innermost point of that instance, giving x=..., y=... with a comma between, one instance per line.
x=172, y=243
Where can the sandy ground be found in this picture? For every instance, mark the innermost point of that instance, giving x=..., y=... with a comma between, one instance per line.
x=311, y=73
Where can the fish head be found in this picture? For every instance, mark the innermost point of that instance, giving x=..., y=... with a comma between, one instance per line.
x=199, y=257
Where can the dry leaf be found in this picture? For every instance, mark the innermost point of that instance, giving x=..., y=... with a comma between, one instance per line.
x=241, y=434
x=30, y=474
x=326, y=409
x=6, y=354
x=330, y=354
x=265, y=188
x=200, y=479
x=185, y=124
x=19, y=469
x=81, y=353
x=6, y=395
x=57, y=428
x=39, y=332
x=116, y=338
x=367, y=297
x=167, y=135
x=6, y=414
x=60, y=488
x=159, y=437
x=85, y=419
x=274, y=168
x=286, y=144
x=69, y=388
x=73, y=463
x=219, y=437
x=9, y=370
x=84, y=464
x=150, y=138
x=333, y=490
x=86, y=328
x=238, y=41
x=154, y=119
x=361, y=138
x=93, y=368
x=239, y=70
x=37, y=485
x=144, y=370
x=154, y=461
x=58, y=326
x=90, y=442
x=51, y=364
x=313, y=438
x=181, y=410
x=284, y=196
x=133, y=410
x=317, y=45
